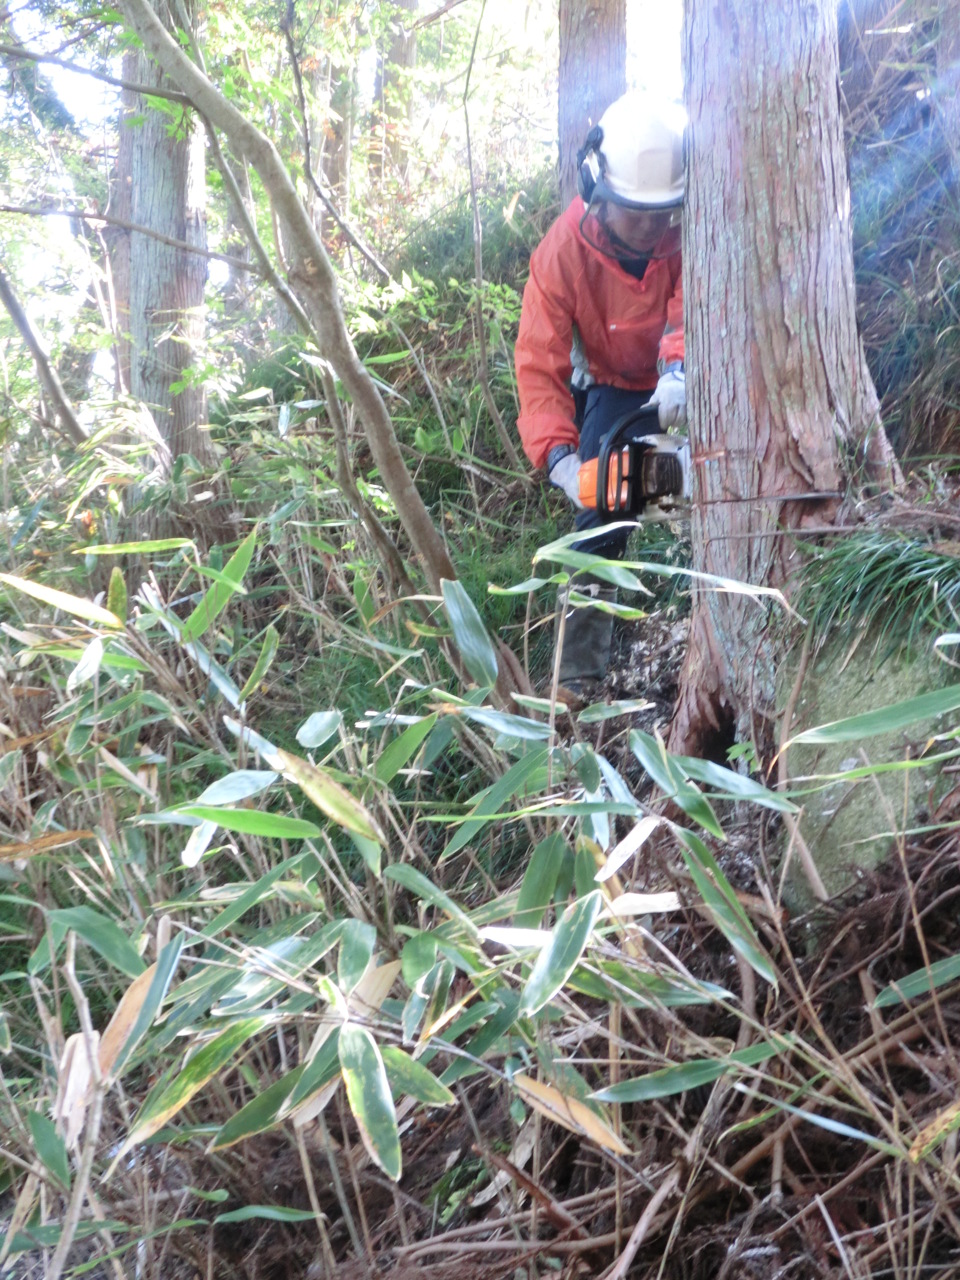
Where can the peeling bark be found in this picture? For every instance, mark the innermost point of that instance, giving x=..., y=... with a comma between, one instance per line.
x=781, y=401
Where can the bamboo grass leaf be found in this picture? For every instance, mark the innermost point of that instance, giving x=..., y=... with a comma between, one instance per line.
x=560, y=956
x=368, y=1092
x=476, y=648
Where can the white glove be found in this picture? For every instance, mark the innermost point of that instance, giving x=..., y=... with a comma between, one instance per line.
x=670, y=398
x=565, y=476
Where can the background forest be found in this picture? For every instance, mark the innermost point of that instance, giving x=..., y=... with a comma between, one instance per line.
x=330, y=946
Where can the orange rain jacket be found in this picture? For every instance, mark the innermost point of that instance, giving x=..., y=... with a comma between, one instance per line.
x=625, y=325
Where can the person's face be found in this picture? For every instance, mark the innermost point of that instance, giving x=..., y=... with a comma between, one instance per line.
x=647, y=233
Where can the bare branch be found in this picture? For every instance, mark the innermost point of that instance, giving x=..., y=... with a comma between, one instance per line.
x=434, y=16
x=43, y=211
x=52, y=386
x=328, y=204
x=34, y=55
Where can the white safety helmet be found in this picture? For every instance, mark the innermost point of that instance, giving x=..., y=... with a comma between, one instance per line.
x=634, y=156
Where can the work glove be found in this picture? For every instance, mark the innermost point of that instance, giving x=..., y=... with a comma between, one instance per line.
x=670, y=398
x=564, y=474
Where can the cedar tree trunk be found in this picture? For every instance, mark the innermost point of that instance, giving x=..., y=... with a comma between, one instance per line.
x=160, y=288
x=396, y=99
x=592, y=74
x=781, y=399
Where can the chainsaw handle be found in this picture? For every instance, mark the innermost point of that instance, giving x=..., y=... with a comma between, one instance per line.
x=612, y=444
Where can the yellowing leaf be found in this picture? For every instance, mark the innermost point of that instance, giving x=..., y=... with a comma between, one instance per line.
x=124, y=1017
x=175, y=1090
x=932, y=1134
x=74, y=605
x=330, y=798
x=364, y=1000
x=42, y=844
x=569, y=1112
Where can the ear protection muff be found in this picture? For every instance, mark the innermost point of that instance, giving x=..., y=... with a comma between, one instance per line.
x=589, y=164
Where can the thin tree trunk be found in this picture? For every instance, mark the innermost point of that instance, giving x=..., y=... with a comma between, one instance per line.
x=312, y=277
x=46, y=374
x=166, y=303
x=592, y=74
x=781, y=398
x=117, y=238
x=396, y=99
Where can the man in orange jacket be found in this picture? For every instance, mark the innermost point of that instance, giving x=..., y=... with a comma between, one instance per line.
x=601, y=330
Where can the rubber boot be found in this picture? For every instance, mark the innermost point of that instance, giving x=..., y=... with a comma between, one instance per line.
x=587, y=637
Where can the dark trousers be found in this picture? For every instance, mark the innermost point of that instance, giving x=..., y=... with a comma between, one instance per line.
x=603, y=407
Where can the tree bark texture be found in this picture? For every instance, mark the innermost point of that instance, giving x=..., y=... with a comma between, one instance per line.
x=160, y=288
x=592, y=74
x=780, y=396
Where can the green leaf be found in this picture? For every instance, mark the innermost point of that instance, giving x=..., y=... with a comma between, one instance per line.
x=271, y=1212
x=117, y=593
x=259, y=1114
x=357, y=941
x=368, y=1092
x=734, y=786
x=502, y=722
x=722, y=903
x=100, y=933
x=540, y=880
x=237, y=786
x=418, y=957
x=669, y=777
x=370, y=851
x=172, y=1094
x=688, y=1075
x=250, y=897
x=50, y=1147
x=271, y=643
x=320, y=1071
x=899, y=715
x=406, y=1075
x=318, y=728
x=253, y=822
x=145, y=548
x=496, y=796
x=609, y=710
x=837, y=1126
x=398, y=753
x=476, y=648
x=219, y=595
x=74, y=605
x=919, y=983
x=559, y=957
x=414, y=880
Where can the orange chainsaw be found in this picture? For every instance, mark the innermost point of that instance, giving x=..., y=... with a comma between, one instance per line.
x=635, y=467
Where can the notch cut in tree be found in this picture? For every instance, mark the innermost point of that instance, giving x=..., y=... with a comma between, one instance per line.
x=312, y=278
x=781, y=400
